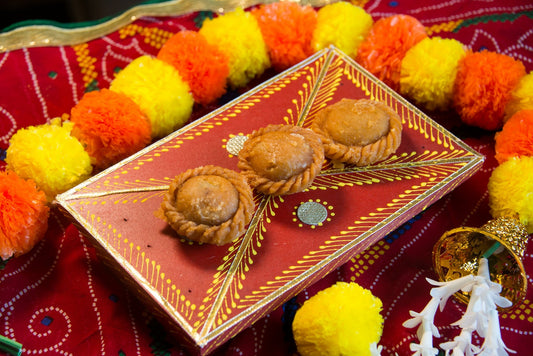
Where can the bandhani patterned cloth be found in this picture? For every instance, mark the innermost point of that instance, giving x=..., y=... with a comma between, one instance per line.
x=59, y=299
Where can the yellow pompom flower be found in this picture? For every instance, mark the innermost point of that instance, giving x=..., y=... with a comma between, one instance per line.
x=343, y=319
x=428, y=72
x=510, y=190
x=238, y=35
x=158, y=89
x=343, y=25
x=521, y=97
x=50, y=156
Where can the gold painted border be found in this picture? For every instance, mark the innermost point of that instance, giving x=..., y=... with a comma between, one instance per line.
x=49, y=35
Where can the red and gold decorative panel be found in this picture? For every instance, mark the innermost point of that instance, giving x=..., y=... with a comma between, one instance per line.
x=212, y=292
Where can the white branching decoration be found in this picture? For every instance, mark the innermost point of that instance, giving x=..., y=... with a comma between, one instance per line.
x=481, y=316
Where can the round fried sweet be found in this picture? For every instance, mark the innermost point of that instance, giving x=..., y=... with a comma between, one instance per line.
x=359, y=132
x=356, y=123
x=207, y=199
x=272, y=154
x=208, y=204
x=281, y=159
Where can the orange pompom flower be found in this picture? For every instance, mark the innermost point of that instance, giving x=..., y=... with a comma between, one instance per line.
x=110, y=126
x=483, y=87
x=287, y=29
x=202, y=65
x=516, y=137
x=382, y=51
x=23, y=215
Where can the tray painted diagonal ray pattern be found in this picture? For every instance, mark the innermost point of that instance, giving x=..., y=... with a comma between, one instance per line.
x=210, y=293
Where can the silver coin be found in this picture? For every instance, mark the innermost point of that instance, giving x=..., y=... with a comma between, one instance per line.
x=312, y=213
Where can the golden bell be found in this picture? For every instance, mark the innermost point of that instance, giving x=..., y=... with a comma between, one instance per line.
x=502, y=241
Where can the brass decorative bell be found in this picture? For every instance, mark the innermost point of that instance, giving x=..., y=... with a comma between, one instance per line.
x=502, y=241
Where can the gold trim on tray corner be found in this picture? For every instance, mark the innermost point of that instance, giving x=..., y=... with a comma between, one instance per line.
x=50, y=35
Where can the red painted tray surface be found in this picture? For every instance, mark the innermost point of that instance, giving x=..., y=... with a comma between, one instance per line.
x=210, y=293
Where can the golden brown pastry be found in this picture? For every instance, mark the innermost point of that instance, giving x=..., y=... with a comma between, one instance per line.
x=208, y=204
x=359, y=132
x=281, y=159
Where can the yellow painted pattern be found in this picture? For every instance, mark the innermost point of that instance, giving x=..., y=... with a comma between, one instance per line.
x=363, y=261
x=328, y=87
x=312, y=75
x=129, y=31
x=153, y=36
x=523, y=312
x=142, y=189
x=380, y=176
x=216, y=285
x=269, y=212
x=86, y=63
x=237, y=263
x=156, y=37
x=443, y=27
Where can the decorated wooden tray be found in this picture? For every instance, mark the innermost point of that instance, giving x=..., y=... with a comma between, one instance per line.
x=206, y=293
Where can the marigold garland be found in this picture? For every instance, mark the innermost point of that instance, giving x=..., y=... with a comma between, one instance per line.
x=343, y=25
x=23, y=215
x=516, y=137
x=382, y=51
x=159, y=90
x=428, y=72
x=287, y=29
x=521, y=97
x=237, y=34
x=202, y=65
x=510, y=190
x=343, y=319
x=483, y=87
x=50, y=156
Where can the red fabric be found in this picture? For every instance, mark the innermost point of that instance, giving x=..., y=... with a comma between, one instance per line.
x=60, y=299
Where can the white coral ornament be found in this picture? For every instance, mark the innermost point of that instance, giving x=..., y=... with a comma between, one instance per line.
x=481, y=316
